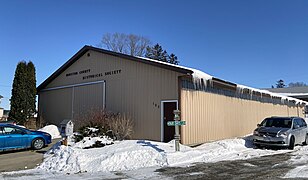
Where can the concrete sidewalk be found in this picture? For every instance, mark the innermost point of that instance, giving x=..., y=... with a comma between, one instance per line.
x=22, y=159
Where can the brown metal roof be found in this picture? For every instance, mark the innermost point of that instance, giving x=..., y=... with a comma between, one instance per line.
x=86, y=48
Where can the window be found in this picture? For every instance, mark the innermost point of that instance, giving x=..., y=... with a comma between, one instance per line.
x=296, y=122
x=277, y=122
x=10, y=130
x=1, y=131
x=303, y=123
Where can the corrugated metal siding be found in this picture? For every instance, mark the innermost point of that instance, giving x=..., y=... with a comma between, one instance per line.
x=87, y=98
x=56, y=105
x=212, y=117
x=137, y=91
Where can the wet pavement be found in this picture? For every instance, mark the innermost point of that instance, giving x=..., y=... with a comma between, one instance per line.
x=22, y=159
x=266, y=167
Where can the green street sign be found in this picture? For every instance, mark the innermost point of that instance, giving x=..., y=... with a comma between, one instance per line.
x=176, y=123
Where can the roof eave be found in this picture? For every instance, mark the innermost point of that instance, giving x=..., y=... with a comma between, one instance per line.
x=86, y=48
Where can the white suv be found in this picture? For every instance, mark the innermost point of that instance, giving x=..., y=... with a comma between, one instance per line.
x=281, y=131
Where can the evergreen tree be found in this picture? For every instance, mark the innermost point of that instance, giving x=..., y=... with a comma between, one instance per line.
x=173, y=59
x=19, y=94
x=280, y=84
x=23, y=93
x=156, y=52
x=31, y=90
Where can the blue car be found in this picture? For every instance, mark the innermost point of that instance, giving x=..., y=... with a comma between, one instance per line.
x=14, y=137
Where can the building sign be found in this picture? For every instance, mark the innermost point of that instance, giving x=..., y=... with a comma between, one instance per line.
x=96, y=75
x=76, y=72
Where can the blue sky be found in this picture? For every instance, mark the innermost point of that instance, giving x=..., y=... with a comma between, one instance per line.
x=250, y=42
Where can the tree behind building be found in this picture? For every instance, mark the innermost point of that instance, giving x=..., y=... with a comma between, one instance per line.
x=156, y=52
x=280, y=84
x=297, y=84
x=130, y=44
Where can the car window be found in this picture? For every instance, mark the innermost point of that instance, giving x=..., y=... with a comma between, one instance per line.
x=299, y=122
x=277, y=122
x=1, y=131
x=11, y=130
x=296, y=122
x=303, y=122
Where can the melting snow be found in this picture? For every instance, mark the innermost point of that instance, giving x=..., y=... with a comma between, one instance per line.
x=283, y=97
x=52, y=130
x=136, y=154
x=143, y=157
x=89, y=141
x=300, y=160
x=199, y=75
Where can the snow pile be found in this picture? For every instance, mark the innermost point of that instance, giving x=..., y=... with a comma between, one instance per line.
x=135, y=154
x=87, y=142
x=300, y=160
x=224, y=150
x=52, y=130
x=125, y=155
x=92, y=129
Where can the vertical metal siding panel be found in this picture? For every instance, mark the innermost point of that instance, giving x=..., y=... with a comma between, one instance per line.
x=56, y=105
x=212, y=117
x=133, y=91
x=87, y=98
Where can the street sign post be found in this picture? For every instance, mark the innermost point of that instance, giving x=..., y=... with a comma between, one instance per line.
x=176, y=123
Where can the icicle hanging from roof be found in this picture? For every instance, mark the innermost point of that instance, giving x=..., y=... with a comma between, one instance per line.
x=201, y=78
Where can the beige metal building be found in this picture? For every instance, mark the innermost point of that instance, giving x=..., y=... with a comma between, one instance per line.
x=149, y=91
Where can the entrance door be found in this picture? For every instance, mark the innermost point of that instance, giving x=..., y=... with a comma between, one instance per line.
x=168, y=131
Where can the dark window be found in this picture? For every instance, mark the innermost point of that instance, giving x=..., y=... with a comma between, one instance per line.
x=303, y=123
x=296, y=122
x=277, y=122
x=11, y=130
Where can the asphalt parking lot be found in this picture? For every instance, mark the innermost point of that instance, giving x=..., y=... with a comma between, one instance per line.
x=269, y=167
x=22, y=159
x=266, y=167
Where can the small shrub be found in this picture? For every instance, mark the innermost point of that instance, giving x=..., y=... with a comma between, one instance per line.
x=113, y=125
x=121, y=127
x=98, y=144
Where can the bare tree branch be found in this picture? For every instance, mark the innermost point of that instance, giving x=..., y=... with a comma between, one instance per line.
x=130, y=44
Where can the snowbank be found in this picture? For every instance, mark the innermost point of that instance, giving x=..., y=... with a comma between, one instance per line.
x=300, y=160
x=52, y=130
x=135, y=154
x=90, y=141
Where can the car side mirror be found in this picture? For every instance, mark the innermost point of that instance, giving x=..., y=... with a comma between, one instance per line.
x=296, y=126
x=258, y=125
x=23, y=132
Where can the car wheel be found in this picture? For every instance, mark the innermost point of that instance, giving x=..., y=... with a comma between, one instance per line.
x=291, y=143
x=306, y=140
x=38, y=143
